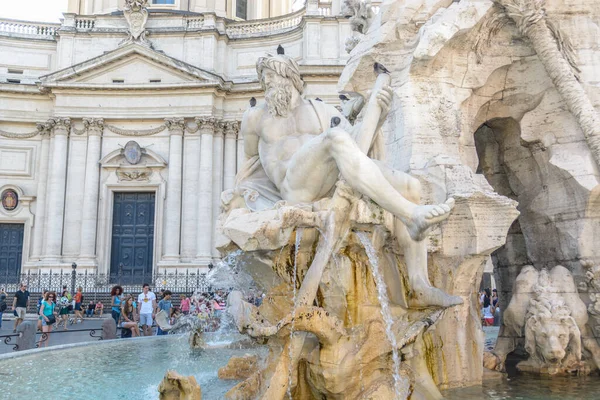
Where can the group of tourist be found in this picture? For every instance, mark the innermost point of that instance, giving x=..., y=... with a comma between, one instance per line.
x=137, y=314
x=490, y=308
x=131, y=313
x=207, y=306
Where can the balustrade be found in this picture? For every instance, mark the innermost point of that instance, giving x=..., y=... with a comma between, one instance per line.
x=85, y=23
x=195, y=23
x=264, y=27
x=28, y=28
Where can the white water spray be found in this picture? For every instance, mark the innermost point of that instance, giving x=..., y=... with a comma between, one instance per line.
x=299, y=233
x=401, y=385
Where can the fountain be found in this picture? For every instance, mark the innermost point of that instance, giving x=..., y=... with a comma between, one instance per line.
x=337, y=238
x=327, y=336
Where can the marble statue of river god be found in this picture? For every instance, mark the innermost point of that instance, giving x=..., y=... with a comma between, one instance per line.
x=344, y=236
x=304, y=147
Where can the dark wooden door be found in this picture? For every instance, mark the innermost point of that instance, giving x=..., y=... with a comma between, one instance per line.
x=11, y=251
x=132, y=236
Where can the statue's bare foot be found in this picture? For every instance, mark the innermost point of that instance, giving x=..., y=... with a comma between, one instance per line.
x=426, y=216
x=425, y=295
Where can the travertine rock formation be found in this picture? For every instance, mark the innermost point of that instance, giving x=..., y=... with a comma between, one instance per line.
x=493, y=106
x=348, y=353
x=239, y=367
x=179, y=387
x=492, y=109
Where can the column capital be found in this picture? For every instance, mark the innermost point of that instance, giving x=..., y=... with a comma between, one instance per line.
x=94, y=126
x=232, y=129
x=62, y=126
x=45, y=128
x=220, y=129
x=176, y=125
x=206, y=125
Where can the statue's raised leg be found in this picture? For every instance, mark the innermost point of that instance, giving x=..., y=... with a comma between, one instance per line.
x=314, y=169
x=422, y=293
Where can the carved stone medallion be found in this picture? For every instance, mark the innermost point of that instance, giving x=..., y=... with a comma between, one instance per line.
x=10, y=199
x=132, y=152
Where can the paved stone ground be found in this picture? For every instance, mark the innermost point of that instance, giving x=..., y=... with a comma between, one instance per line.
x=58, y=337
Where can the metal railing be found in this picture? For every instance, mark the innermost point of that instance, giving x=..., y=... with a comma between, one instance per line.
x=28, y=28
x=176, y=281
x=206, y=326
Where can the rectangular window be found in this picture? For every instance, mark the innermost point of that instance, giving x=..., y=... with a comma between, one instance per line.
x=155, y=80
x=241, y=9
x=163, y=1
x=118, y=81
x=13, y=80
x=15, y=71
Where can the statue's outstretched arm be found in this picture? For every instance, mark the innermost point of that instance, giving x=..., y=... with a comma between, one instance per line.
x=376, y=110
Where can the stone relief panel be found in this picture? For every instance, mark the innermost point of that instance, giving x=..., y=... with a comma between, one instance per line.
x=16, y=161
x=134, y=175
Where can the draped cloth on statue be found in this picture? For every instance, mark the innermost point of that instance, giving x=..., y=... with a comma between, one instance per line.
x=260, y=193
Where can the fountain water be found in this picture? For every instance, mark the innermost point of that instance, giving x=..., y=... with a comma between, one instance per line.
x=298, y=241
x=400, y=385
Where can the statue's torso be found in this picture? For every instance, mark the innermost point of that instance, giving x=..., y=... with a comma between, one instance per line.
x=281, y=138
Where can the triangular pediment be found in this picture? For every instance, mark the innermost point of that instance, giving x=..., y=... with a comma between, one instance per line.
x=132, y=66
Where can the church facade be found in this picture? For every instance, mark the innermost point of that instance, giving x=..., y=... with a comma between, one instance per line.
x=119, y=127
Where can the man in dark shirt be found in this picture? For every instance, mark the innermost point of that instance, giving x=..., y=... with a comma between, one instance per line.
x=20, y=304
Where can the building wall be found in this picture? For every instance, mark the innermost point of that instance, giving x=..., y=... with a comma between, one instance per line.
x=63, y=126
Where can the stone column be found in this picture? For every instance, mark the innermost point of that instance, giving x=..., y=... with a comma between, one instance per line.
x=241, y=154
x=89, y=212
x=191, y=162
x=173, y=206
x=76, y=174
x=40, y=207
x=231, y=132
x=217, y=186
x=56, y=192
x=205, y=187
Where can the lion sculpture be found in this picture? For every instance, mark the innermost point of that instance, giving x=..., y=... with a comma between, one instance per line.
x=547, y=318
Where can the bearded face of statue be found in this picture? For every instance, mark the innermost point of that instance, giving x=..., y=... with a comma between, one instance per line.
x=278, y=93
